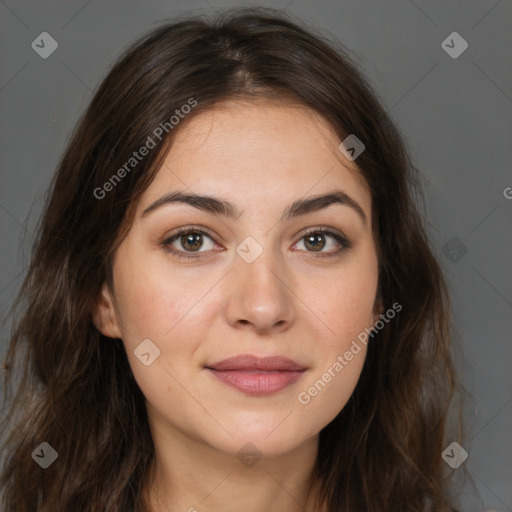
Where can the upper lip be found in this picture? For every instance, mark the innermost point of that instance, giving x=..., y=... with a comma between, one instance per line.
x=250, y=362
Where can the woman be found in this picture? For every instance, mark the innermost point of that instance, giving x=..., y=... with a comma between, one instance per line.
x=232, y=302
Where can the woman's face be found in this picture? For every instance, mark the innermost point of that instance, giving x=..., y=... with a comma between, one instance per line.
x=257, y=278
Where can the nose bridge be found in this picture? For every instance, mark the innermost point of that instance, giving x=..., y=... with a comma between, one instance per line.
x=263, y=275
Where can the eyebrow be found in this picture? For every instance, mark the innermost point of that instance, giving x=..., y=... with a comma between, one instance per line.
x=222, y=207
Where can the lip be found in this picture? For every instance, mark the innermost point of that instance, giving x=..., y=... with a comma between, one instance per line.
x=257, y=375
x=250, y=362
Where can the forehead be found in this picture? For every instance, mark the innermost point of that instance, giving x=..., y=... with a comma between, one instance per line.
x=263, y=128
x=261, y=150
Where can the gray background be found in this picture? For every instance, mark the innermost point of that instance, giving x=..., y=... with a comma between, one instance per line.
x=455, y=114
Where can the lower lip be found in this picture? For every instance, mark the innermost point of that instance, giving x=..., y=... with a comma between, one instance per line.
x=256, y=382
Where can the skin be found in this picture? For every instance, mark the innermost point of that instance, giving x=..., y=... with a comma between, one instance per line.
x=290, y=301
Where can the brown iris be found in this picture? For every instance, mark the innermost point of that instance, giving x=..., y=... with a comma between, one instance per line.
x=312, y=241
x=194, y=241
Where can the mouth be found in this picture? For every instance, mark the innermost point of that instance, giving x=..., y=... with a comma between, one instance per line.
x=257, y=376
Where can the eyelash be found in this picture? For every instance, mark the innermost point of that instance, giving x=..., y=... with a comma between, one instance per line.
x=338, y=236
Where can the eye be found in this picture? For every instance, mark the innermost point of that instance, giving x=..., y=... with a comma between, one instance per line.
x=187, y=241
x=318, y=239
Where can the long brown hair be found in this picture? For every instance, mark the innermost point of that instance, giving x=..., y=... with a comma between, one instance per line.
x=74, y=388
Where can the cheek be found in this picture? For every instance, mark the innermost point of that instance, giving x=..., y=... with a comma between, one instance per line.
x=341, y=350
x=171, y=310
x=152, y=302
x=346, y=304
x=166, y=310
x=329, y=389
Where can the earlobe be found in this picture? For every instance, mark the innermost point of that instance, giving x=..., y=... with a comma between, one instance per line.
x=104, y=315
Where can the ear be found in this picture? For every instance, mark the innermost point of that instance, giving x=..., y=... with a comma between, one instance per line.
x=378, y=310
x=103, y=314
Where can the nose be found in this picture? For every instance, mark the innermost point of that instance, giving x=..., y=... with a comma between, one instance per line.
x=259, y=297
